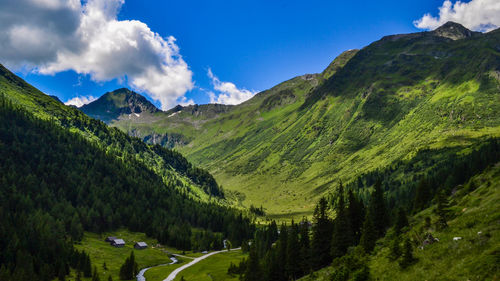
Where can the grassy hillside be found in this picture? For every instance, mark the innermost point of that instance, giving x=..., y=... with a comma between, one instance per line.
x=370, y=108
x=63, y=173
x=172, y=167
x=474, y=217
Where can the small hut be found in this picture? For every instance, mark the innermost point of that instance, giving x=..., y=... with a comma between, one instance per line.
x=140, y=245
x=118, y=243
x=110, y=239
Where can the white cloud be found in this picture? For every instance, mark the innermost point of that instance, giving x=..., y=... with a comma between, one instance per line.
x=228, y=93
x=479, y=15
x=80, y=101
x=50, y=36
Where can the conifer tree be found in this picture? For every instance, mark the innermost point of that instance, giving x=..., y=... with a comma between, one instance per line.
x=253, y=271
x=407, y=258
x=321, y=236
x=87, y=266
x=356, y=214
x=378, y=210
x=293, y=253
x=395, y=249
x=129, y=269
x=305, y=247
x=441, y=210
x=342, y=234
x=369, y=235
x=95, y=275
x=422, y=195
x=401, y=221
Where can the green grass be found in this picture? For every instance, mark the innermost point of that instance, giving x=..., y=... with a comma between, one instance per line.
x=212, y=268
x=390, y=100
x=475, y=257
x=102, y=252
x=161, y=272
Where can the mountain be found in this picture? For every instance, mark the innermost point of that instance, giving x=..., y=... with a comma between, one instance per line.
x=428, y=93
x=119, y=103
x=63, y=173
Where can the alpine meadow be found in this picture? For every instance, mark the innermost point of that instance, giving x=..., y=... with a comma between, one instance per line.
x=383, y=166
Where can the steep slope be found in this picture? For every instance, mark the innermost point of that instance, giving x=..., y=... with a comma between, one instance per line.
x=368, y=110
x=119, y=103
x=473, y=217
x=56, y=183
x=170, y=165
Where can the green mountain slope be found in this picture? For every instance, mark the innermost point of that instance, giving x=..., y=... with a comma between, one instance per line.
x=473, y=217
x=170, y=165
x=433, y=91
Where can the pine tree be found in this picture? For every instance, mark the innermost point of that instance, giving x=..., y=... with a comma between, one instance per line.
x=95, y=275
x=401, y=221
x=305, y=247
x=369, y=235
x=253, y=271
x=407, y=257
x=441, y=210
x=342, y=234
x=129, y=269
x=395, y=249
x=422, y=196
x=356, y=214
x=293, y=257
x=321, y=236
x=87, y=266
x=378, y=210
x=110, y=278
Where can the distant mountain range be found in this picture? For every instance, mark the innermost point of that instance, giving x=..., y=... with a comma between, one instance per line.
x=367, y=110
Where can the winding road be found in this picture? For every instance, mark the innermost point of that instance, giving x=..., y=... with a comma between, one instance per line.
x=174, y=273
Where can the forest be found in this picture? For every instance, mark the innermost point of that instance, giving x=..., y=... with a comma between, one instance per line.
x=56, y=184
x=345, y=227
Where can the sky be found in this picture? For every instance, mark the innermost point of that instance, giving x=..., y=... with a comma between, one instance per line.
x=182, y=52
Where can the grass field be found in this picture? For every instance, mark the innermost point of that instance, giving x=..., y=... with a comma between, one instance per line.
x=161, y=272
x=101, y=252
x=213, y=268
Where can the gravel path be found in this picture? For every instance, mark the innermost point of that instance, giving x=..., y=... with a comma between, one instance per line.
x=174, y=273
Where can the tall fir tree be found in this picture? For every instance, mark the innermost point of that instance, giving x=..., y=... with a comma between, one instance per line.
x=407, y=257
x=356, y=214
x=378, y=210
x=305, y=247
x=253, y=270
x=401, y=220
x=422, y=195
x=293, y=257
x=321, y=236
x=441, y=210
x=369, y=235
x=342, y=235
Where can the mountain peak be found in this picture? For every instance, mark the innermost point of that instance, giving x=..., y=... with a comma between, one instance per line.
x=454, y=31
x=123, y=101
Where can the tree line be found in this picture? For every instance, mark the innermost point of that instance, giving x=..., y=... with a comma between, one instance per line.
x=345, y=226
x=56, y=184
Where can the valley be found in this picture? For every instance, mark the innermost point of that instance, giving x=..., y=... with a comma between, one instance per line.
x=289, y=145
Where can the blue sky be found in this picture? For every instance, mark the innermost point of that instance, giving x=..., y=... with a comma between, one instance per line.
x=247, y=45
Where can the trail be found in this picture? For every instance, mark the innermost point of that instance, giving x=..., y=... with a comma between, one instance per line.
x=140, y=275
x=174, y=273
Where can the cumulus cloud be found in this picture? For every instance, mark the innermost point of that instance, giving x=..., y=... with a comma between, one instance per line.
x=80, y=101
x=50, y=36
x=227, y=92
x=479, y=15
